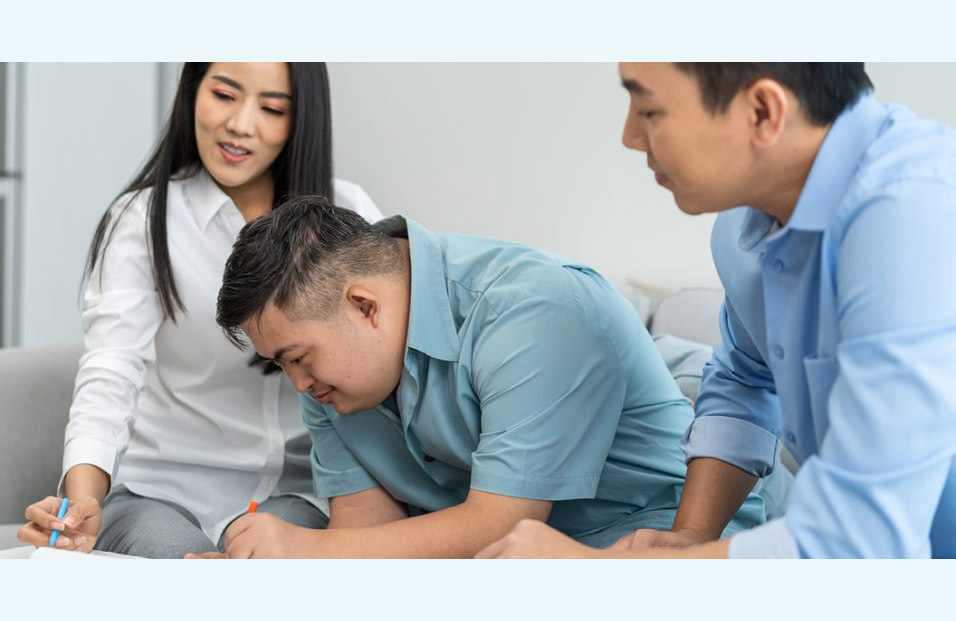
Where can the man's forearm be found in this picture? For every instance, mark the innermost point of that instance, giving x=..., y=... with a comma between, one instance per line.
x=713, y=492
x=457, y=532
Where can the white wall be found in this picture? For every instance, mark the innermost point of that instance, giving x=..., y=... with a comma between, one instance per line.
x=87, y=128
x=529, y=152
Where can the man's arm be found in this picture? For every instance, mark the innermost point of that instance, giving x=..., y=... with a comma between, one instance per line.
x=371, y=507
x=713, y=492
x=457, y=532
x=730, y=443
x=531, y=539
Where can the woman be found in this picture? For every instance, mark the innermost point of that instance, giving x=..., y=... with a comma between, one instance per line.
x=167, y=417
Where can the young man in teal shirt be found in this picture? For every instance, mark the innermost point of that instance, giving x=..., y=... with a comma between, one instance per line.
x=839, y=326
x=453, y=386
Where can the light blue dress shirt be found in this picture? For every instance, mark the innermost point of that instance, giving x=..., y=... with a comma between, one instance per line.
x=525, y=376
x=839, y=336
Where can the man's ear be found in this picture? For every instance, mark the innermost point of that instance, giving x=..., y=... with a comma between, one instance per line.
x=364, y=302
x=768, y=104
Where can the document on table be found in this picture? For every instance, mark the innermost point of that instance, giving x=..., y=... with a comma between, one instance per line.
x=69, y=555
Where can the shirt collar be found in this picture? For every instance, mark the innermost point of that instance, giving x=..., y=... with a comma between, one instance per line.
x=431, y=325
x=204, y=197
x=833, y=169
x=837, y=162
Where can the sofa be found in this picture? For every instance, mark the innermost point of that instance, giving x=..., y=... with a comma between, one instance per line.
x=36, y=387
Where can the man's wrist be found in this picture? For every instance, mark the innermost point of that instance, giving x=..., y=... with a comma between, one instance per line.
x=701, y=534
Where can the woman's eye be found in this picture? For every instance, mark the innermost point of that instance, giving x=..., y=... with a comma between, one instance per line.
x=296, y=361
x=223, y=96
x=274, y=112
x=647, y=113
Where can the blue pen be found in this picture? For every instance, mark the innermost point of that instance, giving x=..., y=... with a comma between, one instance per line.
x=59, y=516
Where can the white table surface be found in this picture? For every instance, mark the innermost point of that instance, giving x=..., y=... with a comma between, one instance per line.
x=21, y=552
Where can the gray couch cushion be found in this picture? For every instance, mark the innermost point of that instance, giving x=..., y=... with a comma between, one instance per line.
x=685, y=360
x=36, y=387
x=690, y=314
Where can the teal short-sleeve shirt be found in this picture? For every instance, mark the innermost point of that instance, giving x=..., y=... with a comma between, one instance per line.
x=525, y=375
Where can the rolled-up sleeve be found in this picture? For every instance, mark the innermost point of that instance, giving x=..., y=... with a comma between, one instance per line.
x=121, y=315
x=737, y=414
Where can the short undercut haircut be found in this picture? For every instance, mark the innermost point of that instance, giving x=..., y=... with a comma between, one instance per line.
x=824, y=90
x=299, y=257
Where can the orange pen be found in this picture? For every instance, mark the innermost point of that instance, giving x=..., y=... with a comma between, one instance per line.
x=253, y=505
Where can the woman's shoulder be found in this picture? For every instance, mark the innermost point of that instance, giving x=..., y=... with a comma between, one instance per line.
x=352, y=196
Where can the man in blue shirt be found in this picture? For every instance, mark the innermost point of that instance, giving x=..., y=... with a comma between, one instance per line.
x=453, y=385
x=839, y=324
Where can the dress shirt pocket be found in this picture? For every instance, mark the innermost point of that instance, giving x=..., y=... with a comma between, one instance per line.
x=821, y=373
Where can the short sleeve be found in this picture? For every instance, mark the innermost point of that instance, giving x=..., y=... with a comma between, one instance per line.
x=551, y=391
x=335, y=469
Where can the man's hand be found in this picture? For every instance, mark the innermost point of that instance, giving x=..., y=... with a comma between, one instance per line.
x=648, y=538
x=260, y=535
x=79, y=527
x=534, y=539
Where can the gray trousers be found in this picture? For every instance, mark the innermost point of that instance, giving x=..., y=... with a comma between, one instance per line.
x=140, y=526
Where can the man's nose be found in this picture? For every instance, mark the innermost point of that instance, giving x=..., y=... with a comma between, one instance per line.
x=634, y=136
x=301, y=380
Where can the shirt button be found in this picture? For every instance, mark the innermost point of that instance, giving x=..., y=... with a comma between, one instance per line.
x=791, y=438
x=777, y=265
x=778, y=352
x=429, y=458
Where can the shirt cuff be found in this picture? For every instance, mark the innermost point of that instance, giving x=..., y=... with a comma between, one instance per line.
x=87, y=451
x=535, y=488
x=770, y=540
x=737, y=442
x=331, y=484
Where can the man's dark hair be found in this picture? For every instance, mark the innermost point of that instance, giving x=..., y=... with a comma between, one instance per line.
x=824, y=90
x=299, y=258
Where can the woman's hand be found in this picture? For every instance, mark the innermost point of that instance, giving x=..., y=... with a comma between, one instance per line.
x=80, y=526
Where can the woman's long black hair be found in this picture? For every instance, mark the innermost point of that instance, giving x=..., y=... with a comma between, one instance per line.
x=303, y=167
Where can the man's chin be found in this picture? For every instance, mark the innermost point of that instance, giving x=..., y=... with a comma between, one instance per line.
x=690, y=207
x=344, y=409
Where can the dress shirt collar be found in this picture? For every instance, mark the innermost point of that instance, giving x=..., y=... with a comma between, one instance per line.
x=830, y=176
x=431, y=325
x=204, y=197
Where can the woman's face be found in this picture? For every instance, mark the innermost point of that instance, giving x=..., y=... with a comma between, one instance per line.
x=242, y=121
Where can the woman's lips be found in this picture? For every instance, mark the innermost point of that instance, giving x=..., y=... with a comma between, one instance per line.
x=234, y=157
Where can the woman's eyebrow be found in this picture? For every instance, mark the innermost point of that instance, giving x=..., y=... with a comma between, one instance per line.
x=239, y=87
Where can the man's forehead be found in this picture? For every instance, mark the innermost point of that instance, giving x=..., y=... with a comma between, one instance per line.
x=648, y=79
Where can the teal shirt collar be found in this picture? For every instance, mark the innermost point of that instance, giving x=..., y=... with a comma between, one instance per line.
x=431, y=325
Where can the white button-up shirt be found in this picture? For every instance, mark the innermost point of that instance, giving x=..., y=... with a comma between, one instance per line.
x=172, y=410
